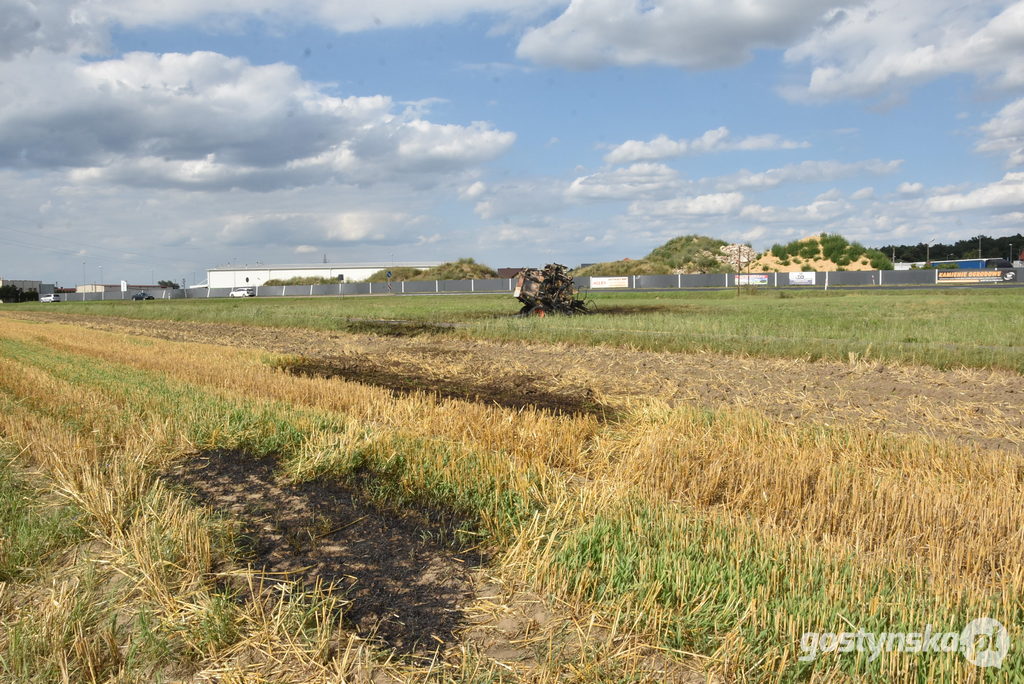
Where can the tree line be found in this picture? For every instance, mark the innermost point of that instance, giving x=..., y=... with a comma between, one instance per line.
x=978, y=247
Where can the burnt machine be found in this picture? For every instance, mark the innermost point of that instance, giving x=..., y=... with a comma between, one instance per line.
x=549, y=290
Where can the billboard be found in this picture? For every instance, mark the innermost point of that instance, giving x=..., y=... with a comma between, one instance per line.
x=609, y=281
x=751, y=278
x=802, y=278
x=991, y=275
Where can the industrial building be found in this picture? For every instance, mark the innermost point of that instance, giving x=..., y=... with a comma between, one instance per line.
x=37, y=286
x=255, y=275
x=116, y=287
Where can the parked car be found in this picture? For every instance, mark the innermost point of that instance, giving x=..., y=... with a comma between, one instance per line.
x=243, y=292
x=139, y=296
x=50, y=298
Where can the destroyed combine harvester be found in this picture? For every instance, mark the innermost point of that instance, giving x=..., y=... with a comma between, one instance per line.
x=548, y=290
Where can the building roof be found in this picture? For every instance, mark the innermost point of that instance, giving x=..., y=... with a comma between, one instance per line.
x=296, y=267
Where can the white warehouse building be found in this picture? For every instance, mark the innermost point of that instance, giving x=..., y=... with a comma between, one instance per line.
x=255, y=275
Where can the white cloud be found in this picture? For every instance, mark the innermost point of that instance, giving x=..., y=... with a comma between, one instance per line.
x=633, y=182
x=907, y=188
x=532, y=197
x=321, y=228
x=209, y=122
x=863, y=193
x=83, y=26
x=692, y=34
x=1004, y=133
x=714, y=140
x=1005, y=193
x=822, y=209
x=473, y=191
x=701, y=205
x=806, y=172
x=880, y=44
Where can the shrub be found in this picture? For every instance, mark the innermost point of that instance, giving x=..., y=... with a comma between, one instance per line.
x=809, y=249
x=301, y=280
x=878, y=260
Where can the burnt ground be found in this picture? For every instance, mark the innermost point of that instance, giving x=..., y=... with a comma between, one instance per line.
x=404, y=589
x=975, y=406
x=415, y=596
x=516, y=390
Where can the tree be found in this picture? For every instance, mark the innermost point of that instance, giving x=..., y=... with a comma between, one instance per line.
x=168, y=283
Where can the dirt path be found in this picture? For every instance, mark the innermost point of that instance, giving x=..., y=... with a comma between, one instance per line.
x=978, y=406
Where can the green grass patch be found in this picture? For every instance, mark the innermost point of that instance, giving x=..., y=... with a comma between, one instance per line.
x=32, y=529
x=701, y=583
x=390, y=470
x=944, y=329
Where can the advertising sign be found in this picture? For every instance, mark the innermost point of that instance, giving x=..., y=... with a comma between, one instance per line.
x=752, y=279
x=124, y=286
x=802, y=278
x=610, y=281
x=974, y=276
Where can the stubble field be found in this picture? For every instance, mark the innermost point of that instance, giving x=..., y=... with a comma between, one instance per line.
x=220, y=500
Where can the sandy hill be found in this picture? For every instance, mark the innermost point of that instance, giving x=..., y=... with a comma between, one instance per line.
x=822, y=252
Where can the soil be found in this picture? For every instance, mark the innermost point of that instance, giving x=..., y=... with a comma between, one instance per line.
x=517, y=390
x=404, y=589
x=411, y=594
x=975, y=406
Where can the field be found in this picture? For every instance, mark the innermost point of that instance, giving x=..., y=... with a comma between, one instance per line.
x=676, y=489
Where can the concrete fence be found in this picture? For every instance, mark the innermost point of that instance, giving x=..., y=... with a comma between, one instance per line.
x=804, y=280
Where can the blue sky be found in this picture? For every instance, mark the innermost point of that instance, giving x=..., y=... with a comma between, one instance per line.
x=157, y=139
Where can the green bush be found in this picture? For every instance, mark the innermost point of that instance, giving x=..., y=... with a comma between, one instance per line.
x=625, y=267
x=834, y=246
x=301, y=280
x=689, y=254
x=809, y=249
x=878, y=260
x=463, y=269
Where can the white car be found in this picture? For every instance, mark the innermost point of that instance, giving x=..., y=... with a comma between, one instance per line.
x=50, y=298
x=243, y=292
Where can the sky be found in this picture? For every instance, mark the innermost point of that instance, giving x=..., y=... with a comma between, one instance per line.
x=153, y=139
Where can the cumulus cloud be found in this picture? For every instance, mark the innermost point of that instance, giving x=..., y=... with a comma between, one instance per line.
x=633, y=182
x=1004, y=133
x=907, y=188
x=871, y=46
x=83, y=26
x=528, y=197
x=692, y=34
x=714, y=140
x=473, y=190
x=805, y=172
x=700, y=205
x=207, y=121
x=822, y=209
x=1005, y=193
x=53, y=25
x=320, y=228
